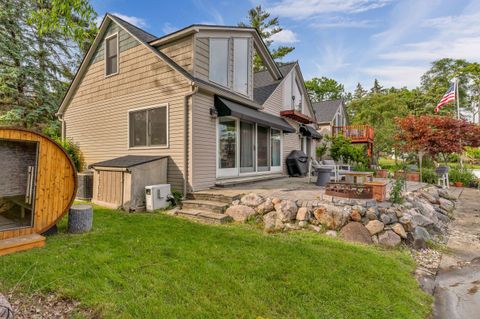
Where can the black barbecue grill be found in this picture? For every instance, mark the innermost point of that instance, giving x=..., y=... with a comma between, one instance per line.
x=297, y=163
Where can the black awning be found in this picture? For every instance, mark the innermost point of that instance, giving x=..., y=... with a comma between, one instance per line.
x=309, y=131
x=226, y=107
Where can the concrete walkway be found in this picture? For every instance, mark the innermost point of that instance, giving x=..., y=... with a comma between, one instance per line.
x=457, y=286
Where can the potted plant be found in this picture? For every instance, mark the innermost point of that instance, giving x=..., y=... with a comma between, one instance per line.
x=381, y=173
x=458, y=184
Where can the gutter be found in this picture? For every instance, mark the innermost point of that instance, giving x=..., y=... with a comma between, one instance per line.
x=187, y=96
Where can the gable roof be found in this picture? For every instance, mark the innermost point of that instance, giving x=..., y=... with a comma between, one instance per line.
x=149, y=40
x=264, y=84
x=325, y=110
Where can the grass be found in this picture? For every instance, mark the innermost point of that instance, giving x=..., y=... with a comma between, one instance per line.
x=158, y=266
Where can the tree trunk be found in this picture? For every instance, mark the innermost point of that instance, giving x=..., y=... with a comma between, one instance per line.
x=80, y=219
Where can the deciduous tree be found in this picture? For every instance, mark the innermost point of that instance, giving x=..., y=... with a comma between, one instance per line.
x=321, y=89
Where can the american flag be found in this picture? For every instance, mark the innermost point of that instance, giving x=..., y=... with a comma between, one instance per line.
x=447, y=98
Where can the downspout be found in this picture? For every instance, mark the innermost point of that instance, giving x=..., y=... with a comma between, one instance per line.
x=62, y=122
x=186, y=137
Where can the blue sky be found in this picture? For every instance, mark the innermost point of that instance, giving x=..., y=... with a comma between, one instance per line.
x=348, y=40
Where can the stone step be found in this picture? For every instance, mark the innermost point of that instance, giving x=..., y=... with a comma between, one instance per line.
x=204, y=216
x=211, y=196
x=205, y=205
x=230, y=182
x=12, y=245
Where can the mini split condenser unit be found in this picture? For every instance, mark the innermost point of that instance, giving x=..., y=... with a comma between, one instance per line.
x=156, y=196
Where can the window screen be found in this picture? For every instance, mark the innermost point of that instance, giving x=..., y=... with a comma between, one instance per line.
x=218, y=70
x=111, y=63
x=148, y=127
x=240, y=65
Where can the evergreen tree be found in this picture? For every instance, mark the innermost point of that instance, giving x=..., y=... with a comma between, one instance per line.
x=359, y=92
x=40, y=48
x=377, y=88
x=321, y=89
x=267, y=27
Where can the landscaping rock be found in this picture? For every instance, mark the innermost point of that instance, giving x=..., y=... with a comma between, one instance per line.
x=276, y=201
x=303, y=214
x=315, y=228
x=375, y=239
x=356, y=232
x=399, y=230
x=389, y=238
x=286, y=210
x=420, y=220
x=6, y=310
x=252, y=200
x=331, y=233
x=375, y=226
x=269, y=221
x=406, y=222
x=355, y=216
x=332, y=217
x=359, y=209
x=240, y=213
x=385, y=219
x=443, y=218
x=420, y=237
x=265, y=207
x=429, y=196
x=426, y=209
x=446, y=204
x=444, y=193
x=302, y=223
x=235, y=202
x=371, y=214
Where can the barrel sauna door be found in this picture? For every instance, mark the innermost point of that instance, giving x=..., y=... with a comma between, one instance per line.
x=18, y=166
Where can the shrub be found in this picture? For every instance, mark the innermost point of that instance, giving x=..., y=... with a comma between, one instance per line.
x=429, y=176
x=321, y=150
x=462, y=175
x=396, y=195
x=473, y=153
x=73, y=150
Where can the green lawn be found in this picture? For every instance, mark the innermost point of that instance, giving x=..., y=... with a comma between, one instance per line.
x=157, y=266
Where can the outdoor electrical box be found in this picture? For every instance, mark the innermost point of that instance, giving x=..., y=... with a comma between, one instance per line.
x=156, y=196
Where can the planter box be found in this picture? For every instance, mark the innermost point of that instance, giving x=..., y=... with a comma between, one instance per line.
x=411, y=176
x=379, y=190
x=381, y=173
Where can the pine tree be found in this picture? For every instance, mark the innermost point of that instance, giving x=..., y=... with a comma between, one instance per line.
x=359, y=91
x=377, y=88
x=267, y=27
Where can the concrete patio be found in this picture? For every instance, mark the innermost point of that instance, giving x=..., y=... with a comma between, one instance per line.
x=292, y=188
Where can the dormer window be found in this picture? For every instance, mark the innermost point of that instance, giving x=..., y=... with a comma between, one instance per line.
x=297, y=97
x=111, y=55
x=219, y=61
x=240, y=65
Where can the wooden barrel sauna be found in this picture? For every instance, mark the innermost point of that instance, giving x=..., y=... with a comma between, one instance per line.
x=38, y=183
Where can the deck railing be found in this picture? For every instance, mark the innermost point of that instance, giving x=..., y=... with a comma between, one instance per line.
x=356, y=133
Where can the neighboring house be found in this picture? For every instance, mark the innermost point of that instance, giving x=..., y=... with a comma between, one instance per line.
x=330, y=114
x=191, y=95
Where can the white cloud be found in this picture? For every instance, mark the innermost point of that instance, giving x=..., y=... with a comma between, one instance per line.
x=300, y=9
x=136, y=21
x=284, y=36
x=333, y=57
x=168, y=28
x=338, y=22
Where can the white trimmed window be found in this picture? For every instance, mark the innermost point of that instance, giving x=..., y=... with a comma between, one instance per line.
x=218, y=63
x=148, y=127
x=111, y=55
x=240, y=65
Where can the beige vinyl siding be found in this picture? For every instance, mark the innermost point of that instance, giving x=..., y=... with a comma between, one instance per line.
x=202, y=46
x=97, y=117
x=274, y=104
x=181, y=52
x=125, y=42
x=204, y=141
x=291, y=141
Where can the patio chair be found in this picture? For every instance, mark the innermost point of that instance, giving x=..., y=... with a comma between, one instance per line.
x=442, y=176
x=338, y=170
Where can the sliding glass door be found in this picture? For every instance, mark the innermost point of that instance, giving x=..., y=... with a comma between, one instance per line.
x=227, y=147
x=245, y=148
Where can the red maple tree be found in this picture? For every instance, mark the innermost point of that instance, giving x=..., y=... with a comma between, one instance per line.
x=436, y=135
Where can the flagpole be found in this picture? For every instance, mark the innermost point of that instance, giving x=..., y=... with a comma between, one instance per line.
x=457, y=100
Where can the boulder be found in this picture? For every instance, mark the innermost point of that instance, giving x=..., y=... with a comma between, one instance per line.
x=240, y=213
x=426, y=209
x=375, y=239
x=332, y=217
x=314, y=228
x=374, y=227
x=399, y=230
x=446, y=205
x=276, y=201
x=359, y=209
x=420, y=220
x=356, y=232
x=252, y=200
x=389, y=238
x=385, y=219
x=429, y=196
x=286, y=210
x=371, y=214
x=303, y=214
x=355, y=216
x=406, y=222
x=269, y=221
x=420, y=237
x=265, y=207
x=444, y=193
x=302, y=223
x=443, y=218
x=236, y=202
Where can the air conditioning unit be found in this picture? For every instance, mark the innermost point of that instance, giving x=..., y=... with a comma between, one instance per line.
x=156, y=196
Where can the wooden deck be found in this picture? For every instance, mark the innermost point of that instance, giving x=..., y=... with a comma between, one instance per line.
x=357, y=134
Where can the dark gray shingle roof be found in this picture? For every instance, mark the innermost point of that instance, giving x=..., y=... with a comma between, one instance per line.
x=264, y=84
x=325, y=110
x=127, y=161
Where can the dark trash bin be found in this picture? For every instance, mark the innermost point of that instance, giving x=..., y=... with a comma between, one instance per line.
x=297, y=164
x=323, y=176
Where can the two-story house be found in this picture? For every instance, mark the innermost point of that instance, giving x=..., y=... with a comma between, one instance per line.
x=191, y=95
